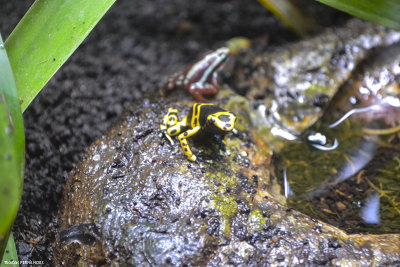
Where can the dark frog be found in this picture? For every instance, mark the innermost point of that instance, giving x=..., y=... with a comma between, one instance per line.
x=200, y=78
x=203, y=118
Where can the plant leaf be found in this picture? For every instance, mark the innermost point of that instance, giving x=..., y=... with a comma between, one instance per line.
x=45, y=38
x=10, y=254
x=12, y=148
x=384, y=12
x=293, y=16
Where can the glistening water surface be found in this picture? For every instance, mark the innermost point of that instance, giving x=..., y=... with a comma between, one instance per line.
x=345, y=169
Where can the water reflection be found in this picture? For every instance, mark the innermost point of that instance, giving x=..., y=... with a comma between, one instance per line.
x=339, y=173
x=356, y=161
x=344, y=169
x=283, y=133
x=286, y=185
x=370, y=211
x=330, y=169
x=322, y=142
x=355, y=111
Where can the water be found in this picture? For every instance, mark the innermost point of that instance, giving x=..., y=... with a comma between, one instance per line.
x=345, y=169
x=339, y=173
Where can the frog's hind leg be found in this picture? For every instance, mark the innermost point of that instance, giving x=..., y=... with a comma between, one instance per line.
x=184, y=144
x=199, y=89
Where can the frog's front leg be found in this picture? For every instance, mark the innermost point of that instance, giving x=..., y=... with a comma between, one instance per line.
x=199, y=89
x=177, y=128
x=184, y=144
x=169, y=120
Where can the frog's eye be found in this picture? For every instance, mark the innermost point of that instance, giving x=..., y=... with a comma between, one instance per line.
x=224, y=118
x=225, y=121
x=171, y=120
x=228, y=117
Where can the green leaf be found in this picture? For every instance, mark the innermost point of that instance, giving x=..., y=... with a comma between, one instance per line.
x=46, y=36
x=12, y=148
x=10, y=255
x=293, y=16
x=384, y=12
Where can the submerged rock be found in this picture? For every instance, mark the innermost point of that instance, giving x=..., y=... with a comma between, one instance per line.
x=135, y=200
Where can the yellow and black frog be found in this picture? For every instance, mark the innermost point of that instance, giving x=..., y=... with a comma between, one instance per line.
x=203, y=118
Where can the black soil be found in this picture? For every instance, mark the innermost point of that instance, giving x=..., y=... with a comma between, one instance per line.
x=129, y=53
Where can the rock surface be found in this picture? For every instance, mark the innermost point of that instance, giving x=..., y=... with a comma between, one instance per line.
x=295, y=82
x=136, y=200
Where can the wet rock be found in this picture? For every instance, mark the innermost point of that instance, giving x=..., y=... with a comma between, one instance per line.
x=374, y=87
x=147, y=201
x=135, y=199
x=293, y=84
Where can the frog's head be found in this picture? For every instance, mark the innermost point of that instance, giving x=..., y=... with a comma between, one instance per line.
x=204, y=69
x=224, y=120
x=171, y=118
x=217, y=58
